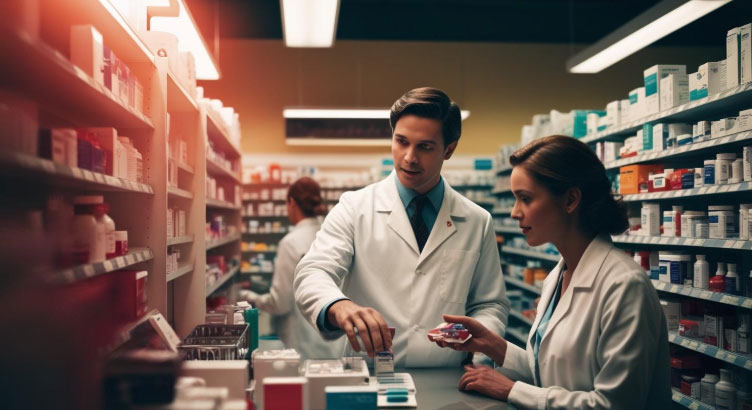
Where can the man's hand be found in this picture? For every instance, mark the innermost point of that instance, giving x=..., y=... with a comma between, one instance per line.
x=371, y=326
x=487, y=381
x=249, y=296
x=483, y=340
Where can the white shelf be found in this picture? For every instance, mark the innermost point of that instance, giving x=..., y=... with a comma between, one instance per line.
x=134, y=256
x=737, y=359
x=689, y=402
x=701, y=191
x=49, y=78
x=222, y=241
x=516, y=334
x=215, y=169
x=214, y=203
x=733, y=244
x=713, y=144
x=509, y=229
x=531, y=254
x=178, y=99
x=178, y=240
x=178, y=193
x=694, y=111
x=719, y=297
x=509, y=280
x=63, y=175
x=221, y=281
x=501, y=211
x=182, y=271
x=220, y=135
x=519, y=316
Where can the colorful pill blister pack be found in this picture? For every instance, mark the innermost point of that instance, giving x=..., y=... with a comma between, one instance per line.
x=395, y=390
x=450, y=333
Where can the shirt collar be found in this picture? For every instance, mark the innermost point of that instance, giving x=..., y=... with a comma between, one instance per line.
x=435, y=195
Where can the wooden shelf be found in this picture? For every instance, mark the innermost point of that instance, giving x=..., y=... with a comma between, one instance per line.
x=509, y=280
x=709, y=190
x=737, y=359
x=178, y=99
x=222, y=241
x=472, y=187
x=217, y=170
x=214, y=203
x=531, y=254
x=733, y=244
x=260, y=273
x=63, y=175
x=81, y=272
x=265, y=233
x=704, y=294
x=182, y=271
x=221, y=281
x=179, y=240
x=220, y=136
x=176, y=192
x=265, y=217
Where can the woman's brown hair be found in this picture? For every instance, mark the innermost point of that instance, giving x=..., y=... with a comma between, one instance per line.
x=306, y=192
x=559, y=163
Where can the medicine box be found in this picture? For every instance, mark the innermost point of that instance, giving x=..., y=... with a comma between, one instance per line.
x=733, y=58
x=86, y=48
x=624, y=112
x=59, y=145
x=108, y=141
x=613, y=114
x=660, y=135
x=745, y=54
x=349, y=371
x=652, y=80
x=630, y=176
x=163, y=44
x=672, y=311
x=273, y=363
x=286, y=393
x=637, y=104
x=232, y=374
x=709, y=79
x=674, y=91
x=351, y=397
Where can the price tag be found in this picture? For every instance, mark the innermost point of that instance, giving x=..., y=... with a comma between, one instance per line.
x=701, y=347
x=108, y=266
x=713, y=189
x=739, y=244
x=685, y=342
x=99, y=177
x=724, y=188
x=748, y=364
x=747, y=303
x=77, y=172
x=720, y=354
x=694, y=345
x=674, y=288
x=129, y=259
x=694, y=405
x=48, y=166
x=88, y=270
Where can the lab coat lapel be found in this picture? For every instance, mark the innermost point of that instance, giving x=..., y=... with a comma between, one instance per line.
x=444, y=227
x=549, y=286
x=388, y=200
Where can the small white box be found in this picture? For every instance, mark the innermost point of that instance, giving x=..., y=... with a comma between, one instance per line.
x=273, y=363
x=637, y=104
x=86, y=51
x=745, y=54
x=733, y=60
x=625, y=113
x=672, y=311
x=652, y=80
x=163, y=44
x=613, y=114
x=660, y=137
x=674, y=91
x=323, y=373
x=232, y=374
x=709, y=79
x=170, y=223
x=722, y=127
x=181, y=223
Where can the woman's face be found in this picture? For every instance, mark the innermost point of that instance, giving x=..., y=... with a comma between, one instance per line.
x=541, y=214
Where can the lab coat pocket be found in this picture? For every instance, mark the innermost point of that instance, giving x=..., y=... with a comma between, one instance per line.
x=457, y=269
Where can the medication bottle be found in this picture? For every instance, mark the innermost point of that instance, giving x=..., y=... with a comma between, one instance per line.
x=109, y=229
x=723, y=167
x=742, y=335
x=707, y=388
x=732, y=280
x=701, y=273
x=736, y=172
x=725, y=392
x=747, y=166
x=709, y=171
x=88, y=235
x=718, y=282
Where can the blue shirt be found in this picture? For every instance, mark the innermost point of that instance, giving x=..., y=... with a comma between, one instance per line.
x=430, y=213
x=543, y=325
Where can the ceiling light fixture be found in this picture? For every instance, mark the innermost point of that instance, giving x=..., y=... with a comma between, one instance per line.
x=343, y=113
x=309, y=23
x=655, y=23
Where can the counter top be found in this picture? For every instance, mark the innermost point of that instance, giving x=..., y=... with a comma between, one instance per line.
x=437, y=389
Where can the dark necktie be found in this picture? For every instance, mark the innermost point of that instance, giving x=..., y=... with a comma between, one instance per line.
x=419, y=226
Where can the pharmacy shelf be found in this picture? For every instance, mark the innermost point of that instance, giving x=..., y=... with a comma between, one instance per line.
x=134, y=256
x=215, y=169
x=485, y=204
x=185, y=167
x=344, y=188
x=689, y=402
x=702, y=109
x=182, y=270
x=63, y=175
x=711, y=145
x=264, y=233
x=531, y=254
x=509, y=280
x=509, y=229
x=504, y=170
x=179, y=240
x=725, y=298
x=276, y=201
x=265, y=217
x=222, y=241
x=733, y=244
x=516, y=334
x=737, y=359
x=219, y=135
x=501, y=191
x=176, y=192
x=519, y=316
x=217, y=204
x=501, y=211
x=49, y=78
x=258, y=272
x=221, y=281
x=265, y=252
x=178, y=99
x=725, y=189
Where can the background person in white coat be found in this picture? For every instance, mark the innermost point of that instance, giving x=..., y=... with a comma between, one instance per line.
x=599, y=339
x=303, y=206
x=405, y=249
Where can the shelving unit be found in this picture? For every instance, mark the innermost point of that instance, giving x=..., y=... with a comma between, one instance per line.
x=531, y=254
x=179, y=240
x=221, y=281
x=509, y=229
x=222, y=241
x=718, y=297
x=182, y=271
x=217, y=204
x=501, y=211
x=516, y=334
x=519, y=316
x=732, y=244
x=81, y=272
x=737, y=359
x=517, y=283
x=689, y=402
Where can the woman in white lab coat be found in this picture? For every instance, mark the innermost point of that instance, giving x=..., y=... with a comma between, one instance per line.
x=304, y=204
x=599, y=339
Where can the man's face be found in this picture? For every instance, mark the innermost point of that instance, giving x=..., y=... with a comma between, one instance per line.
x=418, y=151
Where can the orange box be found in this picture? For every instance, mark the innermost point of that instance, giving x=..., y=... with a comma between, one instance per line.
x=630, y=176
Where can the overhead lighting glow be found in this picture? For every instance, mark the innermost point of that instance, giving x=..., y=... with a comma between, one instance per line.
x=309, y=23
x=653, y=29
x=343, y=113
x=185, y=28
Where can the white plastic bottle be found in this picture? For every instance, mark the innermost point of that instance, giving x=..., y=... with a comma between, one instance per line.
x=701, y=273
x=732, y=279
x=725, y=392
x=707, y=388
x=88, y=233
x=742, y=336
x=109, y=231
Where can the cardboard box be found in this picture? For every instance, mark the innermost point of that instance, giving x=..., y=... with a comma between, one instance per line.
x=613, y=114
x=733, y=58
x=672, y=311
x=630, y=176
x=745, y=54
x=286, y=393
x=652, y=80
x=636, y=104
x=709, y=79
x=232, y=374
x=674, y=91
x=660, y=134
x=86, y=48
x=624, y=112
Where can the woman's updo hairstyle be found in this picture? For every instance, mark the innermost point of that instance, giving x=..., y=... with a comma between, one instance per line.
x=307, y=194
x=560, y=163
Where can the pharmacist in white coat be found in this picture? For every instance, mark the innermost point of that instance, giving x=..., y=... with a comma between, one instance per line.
x=599, y=339
x=402, y=251
x=303, y=205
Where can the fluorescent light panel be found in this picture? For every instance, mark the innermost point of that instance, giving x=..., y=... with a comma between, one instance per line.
x=189, y=38
x=309, y=23
x=648, y=34
x=343, y=113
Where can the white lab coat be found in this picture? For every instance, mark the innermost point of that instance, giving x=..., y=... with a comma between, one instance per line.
x=367, y=244
x=290, y=325
x=606, y=345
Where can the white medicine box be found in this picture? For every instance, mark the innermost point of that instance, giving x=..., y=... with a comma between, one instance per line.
x=745, y=54
x=652, y=82
x=733, y=58
x=86, y=49
x=709, y=79
x=674, y=91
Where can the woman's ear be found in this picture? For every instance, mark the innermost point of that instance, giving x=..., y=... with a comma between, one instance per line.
x=573, y=197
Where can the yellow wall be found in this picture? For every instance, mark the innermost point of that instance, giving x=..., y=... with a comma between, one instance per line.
x=502, y=84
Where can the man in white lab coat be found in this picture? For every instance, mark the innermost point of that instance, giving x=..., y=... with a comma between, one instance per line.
x=403, y=251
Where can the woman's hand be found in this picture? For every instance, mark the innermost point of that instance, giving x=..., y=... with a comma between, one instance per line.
x=483, y=340
x=486, y=381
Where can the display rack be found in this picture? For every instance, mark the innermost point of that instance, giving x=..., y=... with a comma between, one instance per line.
x=689, y=402
x=530, y=254
x=683, y=242
x=221, y=281
x=517, y=283
x=718, y=297
x=740, y=360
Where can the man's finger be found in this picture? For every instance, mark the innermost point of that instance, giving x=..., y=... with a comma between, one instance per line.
x=348, y=328
x=364, y=335
x=386, y=336
x=374, y=332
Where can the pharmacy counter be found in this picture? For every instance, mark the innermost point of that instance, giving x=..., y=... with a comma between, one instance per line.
x=437, y=389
